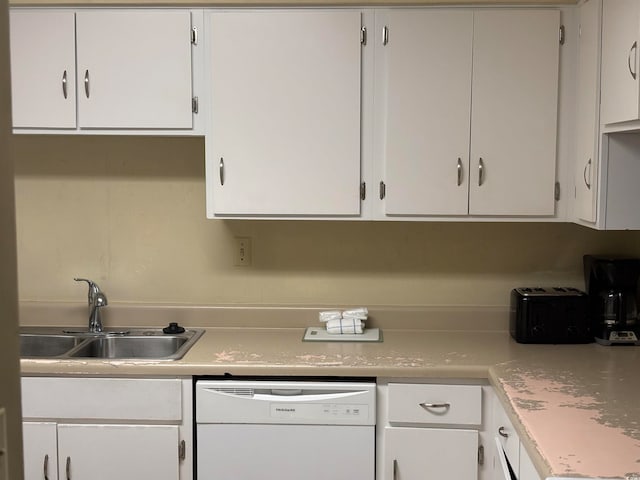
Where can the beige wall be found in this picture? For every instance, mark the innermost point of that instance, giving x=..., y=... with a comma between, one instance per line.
x=9, y=367
x=130, y=213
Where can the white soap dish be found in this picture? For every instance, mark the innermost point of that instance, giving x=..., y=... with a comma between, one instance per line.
x=319, y=334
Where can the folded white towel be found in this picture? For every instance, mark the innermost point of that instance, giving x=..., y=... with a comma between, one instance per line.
x=360, y=313
x=330, y=315
x=341, y=326
x=356, y=311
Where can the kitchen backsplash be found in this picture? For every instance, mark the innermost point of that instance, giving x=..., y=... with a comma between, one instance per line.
x=129, y=212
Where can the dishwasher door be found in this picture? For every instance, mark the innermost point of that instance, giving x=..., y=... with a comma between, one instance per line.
x=285, y=430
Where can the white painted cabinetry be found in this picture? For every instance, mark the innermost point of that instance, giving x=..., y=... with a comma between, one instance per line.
x=285, y=113
x=40, y=445
x=607, y=144
x=429, y=431
x=620, y=82
x=134, y=69
x=507, y=447
x=466, y=123
x=104, y=428
x=43, y=68
x=126, y=452
x=424, y=68
x=587, y=166
x=119, y=69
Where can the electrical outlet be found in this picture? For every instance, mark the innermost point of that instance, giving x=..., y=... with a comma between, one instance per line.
x=243, y=252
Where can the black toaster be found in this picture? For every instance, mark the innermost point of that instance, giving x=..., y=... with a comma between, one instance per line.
x=550, y=315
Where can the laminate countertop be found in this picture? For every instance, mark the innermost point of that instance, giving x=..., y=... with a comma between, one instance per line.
x=575, y=406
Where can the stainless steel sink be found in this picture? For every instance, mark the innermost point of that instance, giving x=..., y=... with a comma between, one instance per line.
x=169, y=347
x=46, y=345
x=135, y=343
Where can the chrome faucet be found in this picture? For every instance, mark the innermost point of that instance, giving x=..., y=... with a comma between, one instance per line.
x=97, y=300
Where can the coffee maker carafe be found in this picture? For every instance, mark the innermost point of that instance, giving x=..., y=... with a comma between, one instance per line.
x=612, y=284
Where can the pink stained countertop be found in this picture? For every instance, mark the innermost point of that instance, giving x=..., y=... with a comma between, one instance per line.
x=577, y=407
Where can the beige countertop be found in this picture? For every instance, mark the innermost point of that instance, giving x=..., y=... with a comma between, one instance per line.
x=287, y=3
x=574, y=405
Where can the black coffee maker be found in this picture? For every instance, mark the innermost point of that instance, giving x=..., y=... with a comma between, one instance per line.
x=612, y=284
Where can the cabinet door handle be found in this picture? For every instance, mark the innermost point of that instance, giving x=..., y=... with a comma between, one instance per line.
x=584, y=174
x=64, y=84
x=385, y=35
x=480, y=172
x=428, y=406
x=68, y=468
x=633, y=49
x=459, y=171
x=221, y=171
x=45, y=467
x=502, y=432
x=395, y=469
x=86, y=83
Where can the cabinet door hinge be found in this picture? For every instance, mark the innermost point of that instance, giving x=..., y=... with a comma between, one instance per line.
x=194, y=35
x=363, y=35
x=383, y=190
x=557, y=191
x=182, y=450
x=562, y=35
x=363, y=190
x=481, y=455
x=194, y=104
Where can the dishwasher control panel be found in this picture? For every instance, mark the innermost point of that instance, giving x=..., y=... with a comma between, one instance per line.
x=278, y=402
x=320, y=411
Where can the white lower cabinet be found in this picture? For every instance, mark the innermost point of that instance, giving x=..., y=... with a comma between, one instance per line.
x=417, y=453
x=429, y=431
x=507, y=447
x=40, y=445
x=100, y=451
x=126, y=452
x=143, y=431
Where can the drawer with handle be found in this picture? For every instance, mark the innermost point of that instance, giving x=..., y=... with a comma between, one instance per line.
x=435, y=404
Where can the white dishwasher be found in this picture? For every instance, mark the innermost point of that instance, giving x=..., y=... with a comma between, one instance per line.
x=285, y=430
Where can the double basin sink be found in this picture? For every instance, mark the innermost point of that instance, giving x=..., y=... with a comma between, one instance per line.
x=130, y=343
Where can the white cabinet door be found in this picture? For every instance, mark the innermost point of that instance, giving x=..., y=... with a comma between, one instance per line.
x=40, y=444
x=419, y=453
x=505, y=432
x=43, y=69
x=134, y=69
x=428, y=107
x=514, y=112
x=123, y=452
x=527, y=469
x=620, y=87
x=285, y=121
x=588, y=100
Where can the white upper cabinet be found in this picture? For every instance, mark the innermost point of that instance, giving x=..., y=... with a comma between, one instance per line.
x=43, y=69
x=514, y=112
x=588, y=100
x=428, y=106
x=620, y=83
x=284, y=138
x=134, y=69
x=467, y=111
